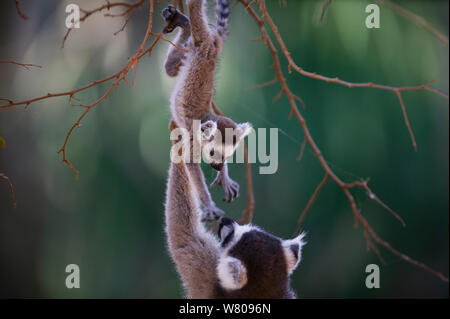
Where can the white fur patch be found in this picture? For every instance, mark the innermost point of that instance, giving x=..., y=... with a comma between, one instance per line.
x=243, y=129
x=232, y=273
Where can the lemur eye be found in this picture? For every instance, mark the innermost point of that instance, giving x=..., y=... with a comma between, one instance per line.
x=211, y=153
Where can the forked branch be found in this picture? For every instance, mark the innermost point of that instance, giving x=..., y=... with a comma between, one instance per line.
x=369, y=233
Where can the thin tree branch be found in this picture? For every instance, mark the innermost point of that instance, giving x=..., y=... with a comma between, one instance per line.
x=19, y=10
x=346, y=187
x=129, y=7
x=27, y=66
x=311, y=202
x=414, y=18
x=313, y=75
x=116, y=78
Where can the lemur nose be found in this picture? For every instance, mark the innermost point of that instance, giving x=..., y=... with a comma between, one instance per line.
x=217, y=166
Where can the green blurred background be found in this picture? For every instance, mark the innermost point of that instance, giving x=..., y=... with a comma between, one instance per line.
x=110, y=221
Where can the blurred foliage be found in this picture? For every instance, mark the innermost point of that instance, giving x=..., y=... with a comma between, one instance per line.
x=111, y=221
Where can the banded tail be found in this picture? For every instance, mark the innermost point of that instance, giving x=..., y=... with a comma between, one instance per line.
x=223, y=12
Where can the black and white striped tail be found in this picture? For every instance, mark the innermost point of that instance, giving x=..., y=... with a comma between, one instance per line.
x=223, y=12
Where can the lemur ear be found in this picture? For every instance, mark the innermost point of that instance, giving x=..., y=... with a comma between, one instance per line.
x=208, y=129
x=243, y=129
x=293, y=252
x=232, y=273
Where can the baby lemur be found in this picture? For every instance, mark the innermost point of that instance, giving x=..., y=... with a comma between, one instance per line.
x=246, y=262
x=193, y=62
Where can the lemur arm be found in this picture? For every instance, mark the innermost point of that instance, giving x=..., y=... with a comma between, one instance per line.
x=194, y=251
x=211, y=211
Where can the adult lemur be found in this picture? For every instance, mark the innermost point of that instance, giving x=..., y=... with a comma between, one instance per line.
x=193, y=62
x=246, y=262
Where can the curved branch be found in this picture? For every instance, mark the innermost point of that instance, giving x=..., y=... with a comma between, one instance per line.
x=329, y=173
x=11, y=190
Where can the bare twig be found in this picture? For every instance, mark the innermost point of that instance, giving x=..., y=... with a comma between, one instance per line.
x=302, y=149
x=27, y=66
x=116, y=78
x=414, y=18
x=247, y=215
x=321, y=10
x=311, y=202
x=19, y=10
x=11, y=190
x=329, y=173
x=371, y=236
x=259, y=86
x=313, y=75
x=129, y=7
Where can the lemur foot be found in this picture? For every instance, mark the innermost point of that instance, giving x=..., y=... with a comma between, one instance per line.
x=174, y=18
x=230, y=187
x=212, y=213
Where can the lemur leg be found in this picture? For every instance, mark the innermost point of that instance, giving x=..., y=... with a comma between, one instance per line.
x=175, y=56
x=200, y=32
x=211, y=211
x=230, y=187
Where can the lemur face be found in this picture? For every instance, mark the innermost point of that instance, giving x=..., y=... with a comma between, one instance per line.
x=220, y=141
x=248, y=254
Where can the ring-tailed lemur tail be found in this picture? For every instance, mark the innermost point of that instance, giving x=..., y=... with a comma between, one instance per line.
x=192, y=96
x=246, y=262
